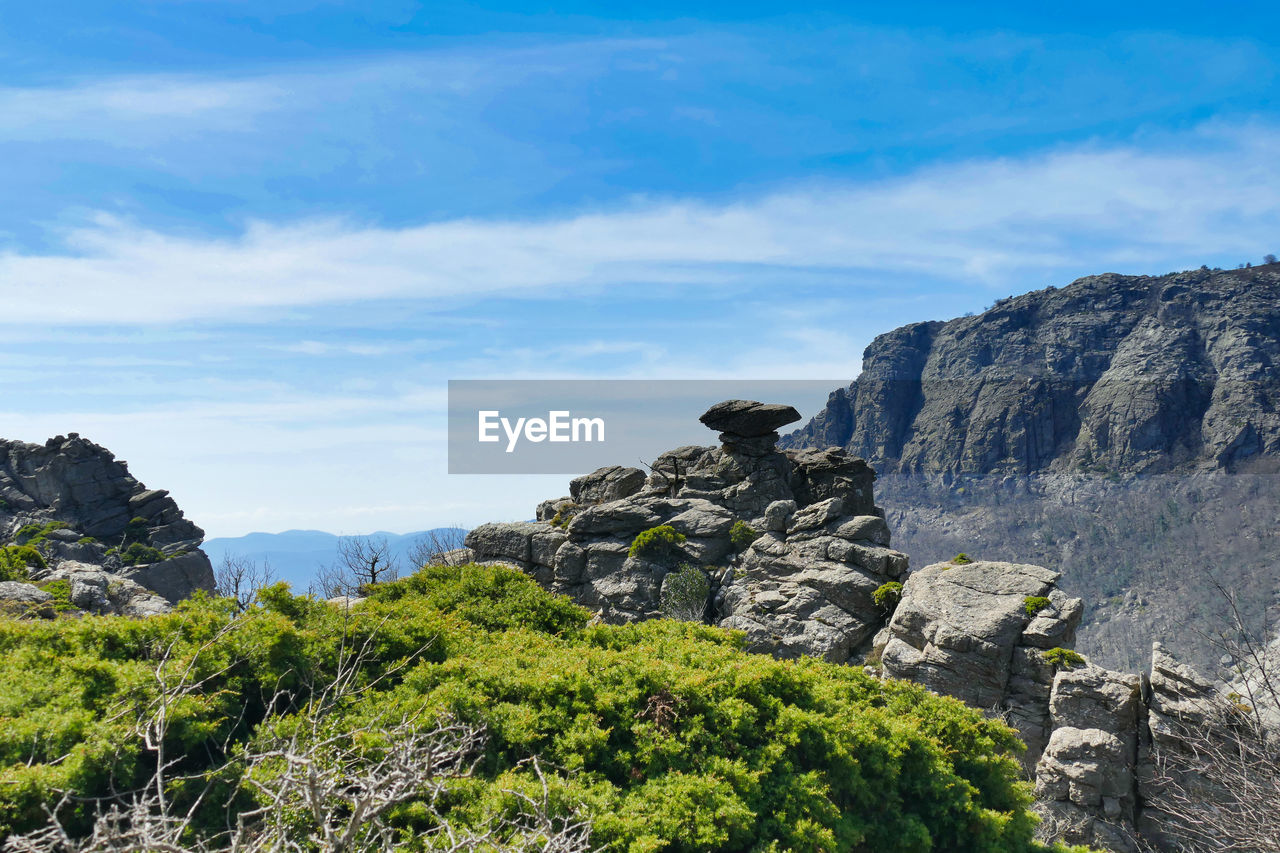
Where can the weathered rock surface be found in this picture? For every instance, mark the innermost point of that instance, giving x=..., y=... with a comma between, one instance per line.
x=1092, y=735
x=25, y=600
x=1126, y=373
x=957, y=627
x=83, y=486
x=803, y=589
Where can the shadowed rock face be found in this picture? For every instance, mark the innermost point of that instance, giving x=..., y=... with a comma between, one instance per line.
x=71, y=480
x=1132, y=374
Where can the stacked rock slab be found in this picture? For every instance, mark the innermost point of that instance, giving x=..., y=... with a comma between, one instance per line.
x=804, y=587
x=82, y=485
x=965, y=631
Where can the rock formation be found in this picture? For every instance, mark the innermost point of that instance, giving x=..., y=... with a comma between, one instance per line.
x=803, y=587
x=107, y=542
x=1119, y=414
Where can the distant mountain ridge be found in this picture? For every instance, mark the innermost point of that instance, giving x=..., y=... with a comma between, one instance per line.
x=296, y=555
x=1117, y=374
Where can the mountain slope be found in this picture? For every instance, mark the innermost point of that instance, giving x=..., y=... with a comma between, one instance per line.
x=1124, y=430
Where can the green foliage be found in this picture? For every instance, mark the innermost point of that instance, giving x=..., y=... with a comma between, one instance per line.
x=669, y=735
x=86, y=540
x=137, y=531
x=1060, y=658
x=684, y=593
x=16, y=561
x=657, y=542
x=61, y=592
x=1034, y=604
x=887, y=595
x=35, y=534
x=741, y=535
x=564, y=515
x=961, y=558
x=138, y=554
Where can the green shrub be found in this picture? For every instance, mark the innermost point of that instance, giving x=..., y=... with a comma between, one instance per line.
x=61, y=592
x=1060, y=658
x=1034, y=604
x=669, y=736
x=887, y=595
x=563, y=516
x=684, y=593
x=16, y=562
x=961, y=558
x=86, y=540
x=137, y=530
x=34, y=534
x=138, y=554
x=657, y=542
x=741, y=535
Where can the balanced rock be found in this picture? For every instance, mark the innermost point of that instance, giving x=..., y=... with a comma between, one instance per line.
x=747, y=418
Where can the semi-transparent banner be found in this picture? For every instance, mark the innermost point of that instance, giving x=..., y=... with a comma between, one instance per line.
x=574, y=426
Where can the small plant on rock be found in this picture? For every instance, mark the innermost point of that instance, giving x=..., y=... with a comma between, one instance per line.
x=660, y=541
x=138, y=554
x=887, y=595
x=16, y=561
x=61, y=592
x=684, y=594
x=741, y=535
x=1060, y=658
x=1034, y=604
x=961, y=558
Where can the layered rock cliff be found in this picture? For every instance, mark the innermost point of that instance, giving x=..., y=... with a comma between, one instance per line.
x=70, y=513
x=1118, y=374
x=1124, y=430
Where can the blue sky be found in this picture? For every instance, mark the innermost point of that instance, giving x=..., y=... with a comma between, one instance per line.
x=245, y=244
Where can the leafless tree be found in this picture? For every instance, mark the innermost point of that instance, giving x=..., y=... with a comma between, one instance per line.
x=1217, y=784
x=319, y=783
x=362, y=562
x=1216, y=778
x=440, y=547
x=240, y=578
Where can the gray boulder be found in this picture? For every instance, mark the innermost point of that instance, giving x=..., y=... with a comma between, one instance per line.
x=747, y=418
x=25, y=600
x=610, y=483
x=957, y=626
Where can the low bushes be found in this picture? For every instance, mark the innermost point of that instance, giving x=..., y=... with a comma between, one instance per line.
x=667, y=736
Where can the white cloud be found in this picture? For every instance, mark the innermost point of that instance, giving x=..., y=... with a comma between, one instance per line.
x=987, y=222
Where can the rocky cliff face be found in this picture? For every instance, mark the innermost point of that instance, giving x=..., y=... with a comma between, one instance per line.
x=1123, y=430
x=1121, y=374
x=118, y=546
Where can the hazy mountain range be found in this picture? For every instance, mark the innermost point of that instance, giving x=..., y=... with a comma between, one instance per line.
x=296, y=555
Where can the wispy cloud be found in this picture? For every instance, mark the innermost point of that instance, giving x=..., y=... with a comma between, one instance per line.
x=986, y=222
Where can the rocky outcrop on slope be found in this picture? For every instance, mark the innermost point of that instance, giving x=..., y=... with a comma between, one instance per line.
x=117, y=546
x=804, y=586
x=997, y=636
x=977, y=632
